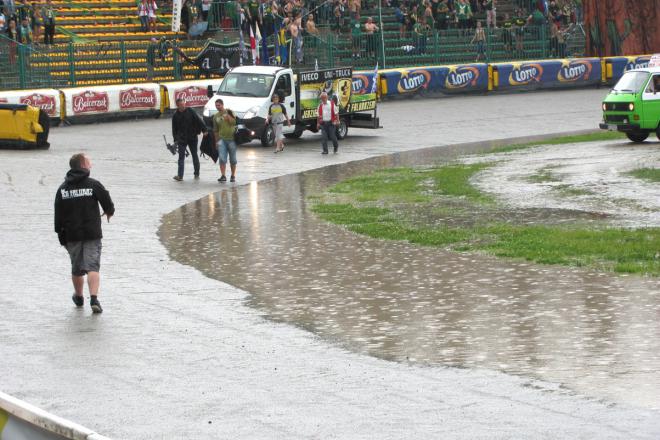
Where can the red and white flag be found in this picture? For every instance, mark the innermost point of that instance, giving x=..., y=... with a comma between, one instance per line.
x=258, y=44
x=253, y=46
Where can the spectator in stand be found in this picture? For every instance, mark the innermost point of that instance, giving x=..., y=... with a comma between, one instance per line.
x=339, y=16
x=507, y=35
x=370, y=29
x=143, y=14
x=310, y=26
x=295, y=30
x=48, y=12
x=428, y=16
x=23, y=10
x=25, y=32
x=356, y=36
x=420, y=30
x=491, y=19
x=268, y=11
x=464, y=15
x=153, y=7
x=189, y=15
x=253, y=16
x=518, y=30
x=3, y=20
x=442, y=16
x=37, y=25
x=206, y=6
x=480, y=40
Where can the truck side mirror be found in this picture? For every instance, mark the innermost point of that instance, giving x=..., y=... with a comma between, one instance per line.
x=209, y=91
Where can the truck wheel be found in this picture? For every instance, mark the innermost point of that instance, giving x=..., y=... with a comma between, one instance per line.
x=637, y=136
x=657, y=132
x=295, y=135
x=342, y=129
x=268, y=137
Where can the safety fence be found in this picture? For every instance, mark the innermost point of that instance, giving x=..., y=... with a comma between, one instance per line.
x=122, y=62
x=105, y=101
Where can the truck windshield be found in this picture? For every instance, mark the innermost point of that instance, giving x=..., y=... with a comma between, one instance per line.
x=631, y=82
x=246, y=84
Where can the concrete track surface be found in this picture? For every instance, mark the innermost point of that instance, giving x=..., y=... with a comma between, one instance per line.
x=176, y=355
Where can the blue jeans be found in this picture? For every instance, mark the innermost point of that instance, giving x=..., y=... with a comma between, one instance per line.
x=227, y=148
x=144, y=23
x=192, y=145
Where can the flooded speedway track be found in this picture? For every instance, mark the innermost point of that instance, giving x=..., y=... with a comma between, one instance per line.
x=596, y=333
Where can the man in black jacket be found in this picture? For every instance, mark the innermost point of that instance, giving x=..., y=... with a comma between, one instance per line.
x=78, y=226
x=186, y=125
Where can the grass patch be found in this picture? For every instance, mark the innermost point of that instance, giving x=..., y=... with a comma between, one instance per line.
x=650, y=174
x=383, y=205
x=544, y=175
x=570, y=190
x=591, y=137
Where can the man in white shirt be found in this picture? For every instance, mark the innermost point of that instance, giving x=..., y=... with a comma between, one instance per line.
x=328, y=119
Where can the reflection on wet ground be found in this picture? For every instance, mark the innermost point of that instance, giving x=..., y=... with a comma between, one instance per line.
x=598, y=334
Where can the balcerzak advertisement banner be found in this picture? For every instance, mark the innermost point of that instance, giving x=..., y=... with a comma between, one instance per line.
x=340, y=85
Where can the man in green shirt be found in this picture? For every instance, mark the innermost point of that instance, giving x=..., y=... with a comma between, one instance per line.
x=224, y=126
x=356, y=35
x=48, y=12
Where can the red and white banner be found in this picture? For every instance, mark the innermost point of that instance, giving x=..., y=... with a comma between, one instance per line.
x=193, y=93
x=83, y=101
x=46, y=99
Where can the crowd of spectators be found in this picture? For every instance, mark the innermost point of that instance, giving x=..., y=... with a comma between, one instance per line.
x=28, y=23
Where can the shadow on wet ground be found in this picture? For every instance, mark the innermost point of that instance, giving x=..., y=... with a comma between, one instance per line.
x=596, y=333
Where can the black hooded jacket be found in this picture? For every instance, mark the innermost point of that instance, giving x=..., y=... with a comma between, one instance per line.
x=77, y=214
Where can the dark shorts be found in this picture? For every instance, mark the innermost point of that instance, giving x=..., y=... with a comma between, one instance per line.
x=85, y=256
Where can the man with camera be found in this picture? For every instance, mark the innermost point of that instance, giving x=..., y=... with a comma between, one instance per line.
x=186, y=125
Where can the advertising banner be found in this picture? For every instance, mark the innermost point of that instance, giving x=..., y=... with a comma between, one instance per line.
x=47, y=100
x=193, y=93
x=216, y=57
x=84, y=101
x=553, y=73
x=447, y=79
x=338, y=84
x=617, y=66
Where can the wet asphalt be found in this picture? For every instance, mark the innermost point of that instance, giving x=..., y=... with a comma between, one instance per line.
x=177, y=354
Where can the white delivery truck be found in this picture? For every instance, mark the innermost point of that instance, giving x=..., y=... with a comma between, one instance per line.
x=247, y=91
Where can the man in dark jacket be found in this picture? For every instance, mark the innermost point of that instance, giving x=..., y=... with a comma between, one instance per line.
x=186, y=125
x=78, y=226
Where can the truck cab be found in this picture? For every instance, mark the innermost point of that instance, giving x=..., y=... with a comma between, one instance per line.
x=247, y=91
x=633, y=105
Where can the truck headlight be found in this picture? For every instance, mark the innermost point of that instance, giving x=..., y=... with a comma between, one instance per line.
x=631, y=107
x=251, y=113
x=604, y=107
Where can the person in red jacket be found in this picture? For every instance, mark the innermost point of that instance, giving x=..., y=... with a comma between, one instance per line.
x=327, y=122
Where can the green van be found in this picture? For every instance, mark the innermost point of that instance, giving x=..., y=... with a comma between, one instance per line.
x=633, y=105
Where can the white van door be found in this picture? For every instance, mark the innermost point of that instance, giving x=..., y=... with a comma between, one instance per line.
x=651, y=101
x=284, y=86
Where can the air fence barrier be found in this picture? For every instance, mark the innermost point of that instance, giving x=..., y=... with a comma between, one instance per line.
x=615, y=67
x=20, y=420
x=154, y=98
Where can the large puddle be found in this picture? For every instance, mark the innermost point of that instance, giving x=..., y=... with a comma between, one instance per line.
x=597, y=334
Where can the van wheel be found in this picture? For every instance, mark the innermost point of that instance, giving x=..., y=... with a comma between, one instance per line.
x=342, y=129
x=268, y=137
x=637, y=136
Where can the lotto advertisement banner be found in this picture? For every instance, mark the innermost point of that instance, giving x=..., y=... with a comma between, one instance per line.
x=47, y=100
x=448, y=79
x=83, y=101
x=349, y=92
x=554, y=73
x=193, y=93
x=617, y=66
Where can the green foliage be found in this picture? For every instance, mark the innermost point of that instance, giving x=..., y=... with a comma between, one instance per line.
x=383, y=204
x=650, y=174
